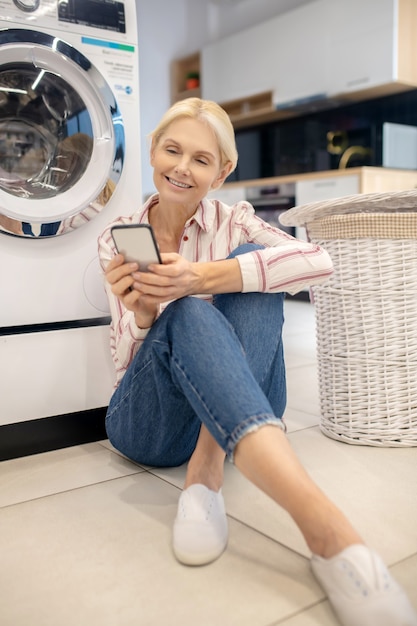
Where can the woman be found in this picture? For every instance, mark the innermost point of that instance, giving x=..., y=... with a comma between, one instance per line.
x=201, y=378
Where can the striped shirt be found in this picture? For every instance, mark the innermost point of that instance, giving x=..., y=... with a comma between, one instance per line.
x=212, y=233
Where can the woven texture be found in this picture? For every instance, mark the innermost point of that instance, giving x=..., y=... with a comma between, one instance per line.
x=363, y=225
x=366, y=320
x=403, y=201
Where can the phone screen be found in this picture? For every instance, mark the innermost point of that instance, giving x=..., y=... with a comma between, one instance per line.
x=137, y=243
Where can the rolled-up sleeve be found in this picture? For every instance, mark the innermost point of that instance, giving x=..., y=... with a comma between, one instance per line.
x=284, y=264
x=288, y=267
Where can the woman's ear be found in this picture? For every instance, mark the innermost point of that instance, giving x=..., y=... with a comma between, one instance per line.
x=152, y=152
x=223, y=174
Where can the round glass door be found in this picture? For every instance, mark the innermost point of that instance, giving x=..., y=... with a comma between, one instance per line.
x=61, y=136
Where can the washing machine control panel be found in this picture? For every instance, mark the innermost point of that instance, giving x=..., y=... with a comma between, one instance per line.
x=109, y=15
x=113, y=20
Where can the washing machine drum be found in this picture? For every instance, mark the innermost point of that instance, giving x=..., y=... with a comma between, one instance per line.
x=61, y=136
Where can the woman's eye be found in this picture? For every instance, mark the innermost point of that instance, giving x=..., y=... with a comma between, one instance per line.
x=172, y=151
x=202, y=161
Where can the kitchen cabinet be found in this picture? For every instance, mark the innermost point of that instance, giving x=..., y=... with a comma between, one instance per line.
x=338, y=183
x=326, y=188
x=299, y=67
x=375, y=52
x=240, y=65
x=282, y=55
x=323, y=51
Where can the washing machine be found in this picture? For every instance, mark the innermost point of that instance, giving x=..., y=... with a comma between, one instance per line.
x=69, y=164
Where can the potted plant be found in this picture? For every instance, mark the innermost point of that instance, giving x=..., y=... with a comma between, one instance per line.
x=192, y=80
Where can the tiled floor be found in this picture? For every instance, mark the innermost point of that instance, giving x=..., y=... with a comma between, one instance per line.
x=85, y=534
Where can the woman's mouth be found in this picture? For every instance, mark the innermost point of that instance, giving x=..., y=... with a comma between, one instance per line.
x=177, y=183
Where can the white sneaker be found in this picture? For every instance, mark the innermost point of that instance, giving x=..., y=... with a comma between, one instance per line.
x=361, y=590
x=200, y=528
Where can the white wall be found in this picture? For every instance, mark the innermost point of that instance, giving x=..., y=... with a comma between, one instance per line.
x=170, y=29
x=167, y=30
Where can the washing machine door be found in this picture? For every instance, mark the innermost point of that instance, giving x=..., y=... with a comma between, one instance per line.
x=61, y=136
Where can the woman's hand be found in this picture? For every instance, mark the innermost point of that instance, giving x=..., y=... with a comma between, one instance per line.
x=119, y=276
x=174, y=278
x=143, y=292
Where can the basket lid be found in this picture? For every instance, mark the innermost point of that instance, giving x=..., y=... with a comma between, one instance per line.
x=399, y=201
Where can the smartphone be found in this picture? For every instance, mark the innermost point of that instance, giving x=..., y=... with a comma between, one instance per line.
x=137, y=243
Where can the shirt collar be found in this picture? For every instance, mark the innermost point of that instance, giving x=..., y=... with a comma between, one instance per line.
x=204, y=215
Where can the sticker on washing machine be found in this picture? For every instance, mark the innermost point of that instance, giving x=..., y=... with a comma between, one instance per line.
x=117, y=61
x=121, y=76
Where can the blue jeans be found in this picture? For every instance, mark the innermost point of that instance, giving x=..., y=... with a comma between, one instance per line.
x=219, y=364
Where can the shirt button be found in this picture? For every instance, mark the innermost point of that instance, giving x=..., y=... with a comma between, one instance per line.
x=185, y=238
x=192, y=222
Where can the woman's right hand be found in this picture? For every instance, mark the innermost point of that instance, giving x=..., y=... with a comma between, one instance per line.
x=119, y=276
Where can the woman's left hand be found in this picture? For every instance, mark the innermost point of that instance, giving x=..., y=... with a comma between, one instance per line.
x=174, y=278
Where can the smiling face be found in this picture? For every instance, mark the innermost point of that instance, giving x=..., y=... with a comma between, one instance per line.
x=186, y=161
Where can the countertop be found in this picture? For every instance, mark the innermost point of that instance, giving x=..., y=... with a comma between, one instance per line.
x=399, y=179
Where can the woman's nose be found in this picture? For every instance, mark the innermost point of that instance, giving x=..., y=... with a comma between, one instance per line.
x=182, y=166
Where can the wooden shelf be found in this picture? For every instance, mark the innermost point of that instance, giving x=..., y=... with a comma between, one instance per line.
x=179, y=70
x=244, y=106
x=245, y=111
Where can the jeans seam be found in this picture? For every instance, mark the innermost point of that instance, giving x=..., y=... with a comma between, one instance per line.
x=222, y=432
x=129, y=390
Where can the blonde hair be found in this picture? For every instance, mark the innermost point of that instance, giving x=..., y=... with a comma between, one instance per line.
x=211, y=114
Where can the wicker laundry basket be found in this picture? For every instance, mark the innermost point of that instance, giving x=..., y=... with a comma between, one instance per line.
x=366, y=316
